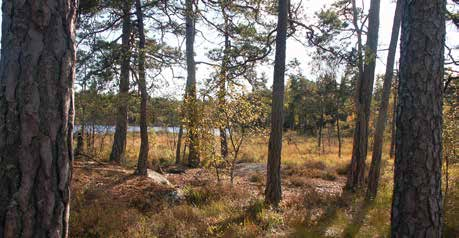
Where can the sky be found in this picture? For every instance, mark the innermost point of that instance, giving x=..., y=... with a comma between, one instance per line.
x=166, y=86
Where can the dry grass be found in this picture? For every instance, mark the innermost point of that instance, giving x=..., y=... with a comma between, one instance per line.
x=109, y=202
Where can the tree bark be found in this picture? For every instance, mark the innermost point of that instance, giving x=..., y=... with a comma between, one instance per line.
x=179, y=145
x=273, y=192
x=191, y=106
x=394, y=118
x=37, y=72
x=144, y=147
x=119, y=143
x=375, y=168
x=417, y=206
x=356, y=174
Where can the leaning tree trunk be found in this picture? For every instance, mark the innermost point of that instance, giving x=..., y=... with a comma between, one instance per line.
x=144, y=147
x=375, y=168
x=191, y=105
x=273, y=192
x=119, y=143
x=417, y=206
x=37, y=71
x=356, y=174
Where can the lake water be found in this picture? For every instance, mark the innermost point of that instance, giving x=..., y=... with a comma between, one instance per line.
x=99, y=129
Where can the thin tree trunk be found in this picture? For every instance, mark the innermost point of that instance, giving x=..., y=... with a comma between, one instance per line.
x=319, y=138
x=81, y=135
x=355, y=18
x=80, y=144
x=37, y=72
x=191, y=106
x=273, y=192
x=93, y=137
x=222, y=82
x=373, y=177
x=179, y=145
x=394, y=118
x=184, y=151
x=144, y=147
x=417, y=205
x=338, y=132
x=363, y=101
x=119, y=143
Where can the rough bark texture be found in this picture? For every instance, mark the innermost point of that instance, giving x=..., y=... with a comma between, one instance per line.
x=373, y=177
x=37, y=70
x=119, y=143
x=273, y=192
x=144, y=147
x=417, y=208
x=356, y=174
x=190, y=95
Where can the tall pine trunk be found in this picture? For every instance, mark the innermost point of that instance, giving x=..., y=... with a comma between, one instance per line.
x=191, y=106
x=273, y=192
x=417, y=205
x=119, y=143
x=144, y=147
x=37, y=72
x=363, y=101
x=375, y=168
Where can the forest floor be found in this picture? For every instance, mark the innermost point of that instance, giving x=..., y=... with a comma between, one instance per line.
x=109, y=201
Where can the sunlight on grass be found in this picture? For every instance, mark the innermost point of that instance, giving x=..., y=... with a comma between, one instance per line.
x=226, y=211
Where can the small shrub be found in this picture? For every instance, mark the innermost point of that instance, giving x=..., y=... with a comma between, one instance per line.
x=103, y=218
x=245, y=229
x=343, y=169
x=256, y=178
x=196, y=197
x=164, y=162
x=297, y=181
x=183, y=219
x=291, y=170
x=204, y=195
x=313, y=199
x=315, y=165
x=255, y=208
x=329, y=176
x=270, y=219
x=247, y=158
x=257, y=213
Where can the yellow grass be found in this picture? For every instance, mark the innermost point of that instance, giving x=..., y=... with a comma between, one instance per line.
x=225, y=211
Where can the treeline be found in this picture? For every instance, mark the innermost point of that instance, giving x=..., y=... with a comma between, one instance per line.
x=99, y=109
